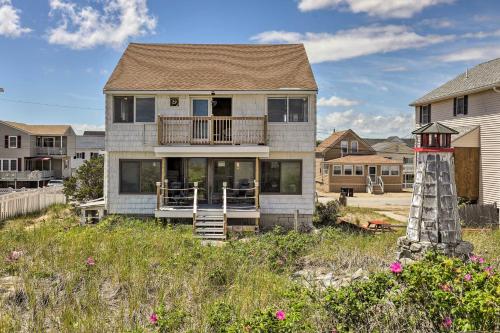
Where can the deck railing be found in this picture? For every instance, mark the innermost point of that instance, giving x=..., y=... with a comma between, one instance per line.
x=212, y=130
x=380, y=182
x=27, y=175
x=50, y=150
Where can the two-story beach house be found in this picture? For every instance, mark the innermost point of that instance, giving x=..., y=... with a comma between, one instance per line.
x=220, y=134
x=88, y=145
x=470, y=104
x=31, y=155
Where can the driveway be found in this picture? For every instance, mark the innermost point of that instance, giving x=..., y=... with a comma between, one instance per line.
x=388, y=201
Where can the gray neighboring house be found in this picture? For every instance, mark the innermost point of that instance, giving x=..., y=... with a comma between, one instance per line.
x=399, y=149
x=88, y=145
x=31, y=155
x=470, y=104
x=208, y=115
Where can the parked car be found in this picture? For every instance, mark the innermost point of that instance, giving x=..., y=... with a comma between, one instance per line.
x=55, y=182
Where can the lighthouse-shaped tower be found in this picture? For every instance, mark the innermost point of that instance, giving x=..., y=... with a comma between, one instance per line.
x=433, y=222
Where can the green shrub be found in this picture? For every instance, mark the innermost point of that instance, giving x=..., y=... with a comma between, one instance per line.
x=326, y=214
x=220, y=317
x=444, y=291
x=169, y=320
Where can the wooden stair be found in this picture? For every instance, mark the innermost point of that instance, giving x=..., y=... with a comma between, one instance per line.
x=210, y=226
x=377, y=189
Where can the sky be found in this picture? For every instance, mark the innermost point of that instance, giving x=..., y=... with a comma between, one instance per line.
x=370, y=58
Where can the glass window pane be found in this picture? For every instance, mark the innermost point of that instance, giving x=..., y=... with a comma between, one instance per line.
x=394, y=170
x=276, y=110
x=337, y=169
x=150, y=174
x=244, y=174
x=354, y=146
x=270, y=177
x=290, y=177
x=200, y=107
x=130, y=176
x=13, y=141
x=348, y=170
x=5, y=165
x=123, y=109
x=359, y=170
x=13, y=165
x=385, y=170
x=297, y=109
x=344, y=146
x=145, y=110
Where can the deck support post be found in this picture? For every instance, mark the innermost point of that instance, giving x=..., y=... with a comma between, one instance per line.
x=158, y=195
x=257, y=192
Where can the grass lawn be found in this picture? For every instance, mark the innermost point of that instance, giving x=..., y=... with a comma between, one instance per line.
x=142, y=265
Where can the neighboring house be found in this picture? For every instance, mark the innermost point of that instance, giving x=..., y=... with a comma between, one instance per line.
x=470, y=104
x=88, y=145
x=196, y=117
x=347, y=163
x=395, y=148
x=33, y=154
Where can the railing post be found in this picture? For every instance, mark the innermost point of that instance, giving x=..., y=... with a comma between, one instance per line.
x=195, y=205
x=159, y=131
x=165, y=192
x=224, y=206
x=265, y=130
x=158, y=195
x=257, y=202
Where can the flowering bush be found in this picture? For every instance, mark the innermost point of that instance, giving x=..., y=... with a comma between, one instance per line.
x=450, y=294
x=167, y=320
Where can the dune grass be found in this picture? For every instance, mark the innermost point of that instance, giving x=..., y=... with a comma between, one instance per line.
x=141, y=265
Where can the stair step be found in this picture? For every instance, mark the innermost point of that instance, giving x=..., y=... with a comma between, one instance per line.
x=211, y=230
x=211, y=236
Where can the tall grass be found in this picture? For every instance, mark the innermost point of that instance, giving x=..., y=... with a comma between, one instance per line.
x=141, y=264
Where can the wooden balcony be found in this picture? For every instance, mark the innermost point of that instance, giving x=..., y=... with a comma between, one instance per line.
x=212, y=130
x=48, y=151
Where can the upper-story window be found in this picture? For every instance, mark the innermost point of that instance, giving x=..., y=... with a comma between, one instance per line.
x=12, y=141
x=344, y=147
x=129, y=109
x=425, y=114
x=460, y=105
x=354, y=146
x=45, y=141
x=287, y=109
x=407, y=160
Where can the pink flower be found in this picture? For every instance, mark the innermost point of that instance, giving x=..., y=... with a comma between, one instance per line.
x=467, y=277
x=446, y=287
x=396, y=267
x=153, y=319
x=489, y=270
x=14, y=256
x=280, y=315
x=474, y=258
x=90, y=261
x=480, y=260
x=447, y=322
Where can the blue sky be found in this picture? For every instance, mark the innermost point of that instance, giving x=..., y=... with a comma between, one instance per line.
x=371, y=58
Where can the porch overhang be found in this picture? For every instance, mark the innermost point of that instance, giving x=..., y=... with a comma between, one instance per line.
x=212, y=151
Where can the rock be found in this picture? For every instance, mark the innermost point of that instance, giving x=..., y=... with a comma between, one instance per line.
x=406, y=261
x=358, y=274
x=403, y=241
x=415, y=247
x=464, y=248
x=9, y=285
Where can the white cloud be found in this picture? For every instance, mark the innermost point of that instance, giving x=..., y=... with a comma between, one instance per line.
x=366, y=125
x=380, y=8
x=437, y=23
x=336, y=101
x=87, y=27
x=10, y=25
x=483, y=34
x=473, y=54
x=80, y=128
x=346, y=44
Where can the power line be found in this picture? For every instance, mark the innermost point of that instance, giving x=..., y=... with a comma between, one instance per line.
x=48, y=104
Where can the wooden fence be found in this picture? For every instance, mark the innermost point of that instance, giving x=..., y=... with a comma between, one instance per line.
x=479, y=216
x=29, y=201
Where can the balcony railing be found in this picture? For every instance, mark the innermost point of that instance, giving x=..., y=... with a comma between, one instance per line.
x=213, y=130
x=27, y=175
x=50, y=150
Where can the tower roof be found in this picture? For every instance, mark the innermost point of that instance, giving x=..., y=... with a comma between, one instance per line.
x=434, y=128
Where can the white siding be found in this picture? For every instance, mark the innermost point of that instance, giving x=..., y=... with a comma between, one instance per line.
x=483, y=111
x=287, y=204
x=116, y=203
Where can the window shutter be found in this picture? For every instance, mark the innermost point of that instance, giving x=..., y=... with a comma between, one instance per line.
x=19, y=164
x=429, y=114
x=6, y=141
x=455, y=106
x=83, y=155
x=420, y=115
x=18, y=141
x=466, y=104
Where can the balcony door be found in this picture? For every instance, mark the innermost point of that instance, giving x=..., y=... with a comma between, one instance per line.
x=201, y=109
x=222, y=125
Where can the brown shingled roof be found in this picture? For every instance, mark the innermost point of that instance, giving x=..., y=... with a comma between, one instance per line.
x=212, y=67
x=364, y=159
x=330, y=141
x=40, y=129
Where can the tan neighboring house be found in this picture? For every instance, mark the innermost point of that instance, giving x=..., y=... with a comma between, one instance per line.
x=395, y=148
x=31, y=155
x=347, y=163
x=220, y=134
x=470, y=104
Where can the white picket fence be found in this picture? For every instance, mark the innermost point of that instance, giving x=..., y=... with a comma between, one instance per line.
x=29, y=201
